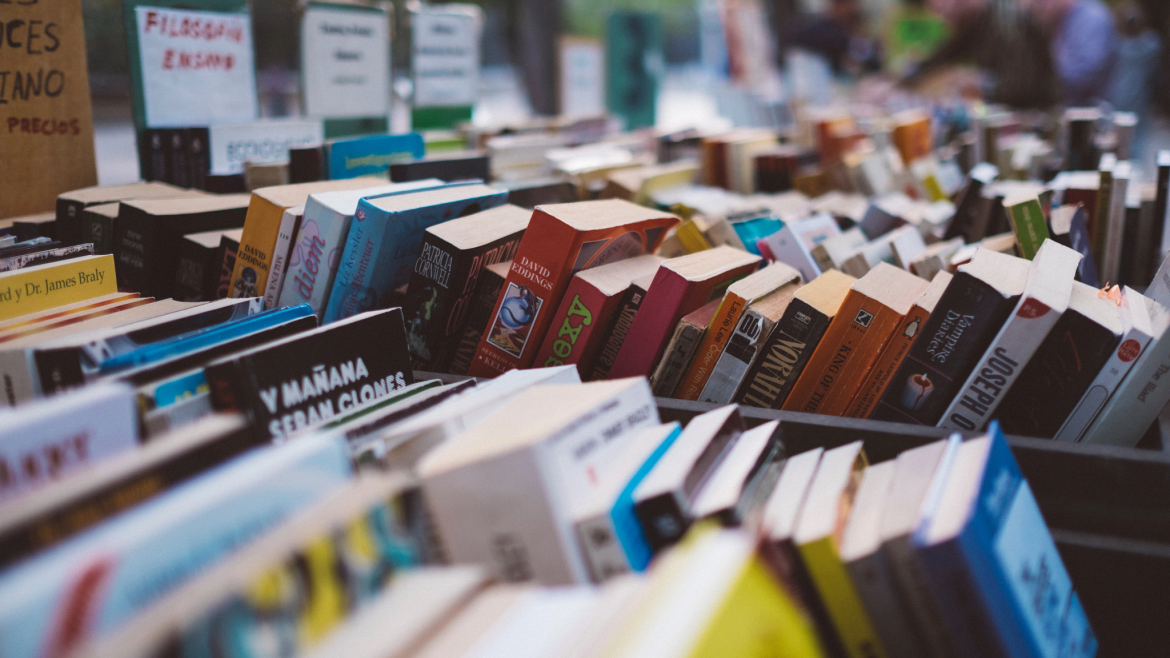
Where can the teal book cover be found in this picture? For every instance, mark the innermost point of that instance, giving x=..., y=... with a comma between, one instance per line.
x=365, y=156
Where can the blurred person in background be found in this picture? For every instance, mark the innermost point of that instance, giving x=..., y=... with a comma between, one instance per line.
x=1084, y=46
x=1132, y=84
x=838, y=35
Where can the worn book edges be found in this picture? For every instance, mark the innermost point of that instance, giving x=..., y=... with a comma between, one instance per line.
x=71, y=205
x=561, y=240
x=587, y=309
x=1043, y=302
x=726, y=321
x=619, y=329
x=479, y=313
x=1064, y=366
x=1068, y=228
x=739, y=486
x=872, y=311
x=444, y=279
x=992, y=564
x=955, y=336
x=663, y=501
x=793, y=244
x=525, y=474
x=265, y=213
x=42, y=287
x=304, y=379
x=874, y=385
x=793, y=340
x=818, y=537
x=682, y=347
x=385, y=238
x=680, y=286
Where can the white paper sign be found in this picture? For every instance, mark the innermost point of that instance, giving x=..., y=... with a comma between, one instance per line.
x=446, y=58
x=230, y=144
x=582, y=78
x=196, y=66
x=345, y=62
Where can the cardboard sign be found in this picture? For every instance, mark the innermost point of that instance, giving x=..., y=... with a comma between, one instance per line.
x=345, y=61
x=46, y=125
x=196, y=66
x=230, y=144
x=446, y=56
x=582, y=69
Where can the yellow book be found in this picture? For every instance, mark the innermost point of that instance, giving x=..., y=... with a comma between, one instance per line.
x=691, y=237
x=262, y=224
x=818, y=538
x=42, y=287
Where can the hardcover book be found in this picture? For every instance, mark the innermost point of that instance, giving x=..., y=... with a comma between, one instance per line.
x=681, y=348
x=872, y=311
x=479, y=314
x=445, y=277
x=385, y=238
x=619, y=329
x=955, y=336
x=305, y=379
x=71, y=205
x=561, y=240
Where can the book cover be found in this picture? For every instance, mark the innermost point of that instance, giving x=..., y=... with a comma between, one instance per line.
x=681, y=348
x=371, y=155
x=445, y=167
x=1114, y=230
x=385, y=238
x=305, y=379
x=561, y=240
x=479, y=314
x=1069, y=229
x=200, y=262
x=1099, y=222
x=955, y=336
x=444, y=278
x=619, y=329
x=42, y=287
x=290, y=223
x=971, y=212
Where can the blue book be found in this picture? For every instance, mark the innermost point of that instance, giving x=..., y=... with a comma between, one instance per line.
x=203, y=338
x=384, y=241
x=752, y=230
x=350, y=158
x=992, y=565
x=90, y=584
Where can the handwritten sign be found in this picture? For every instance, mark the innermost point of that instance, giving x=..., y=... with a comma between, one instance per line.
x=582, y=69
x=345, y=62
x=46, y=124
x=446, y=56
x=196, y=66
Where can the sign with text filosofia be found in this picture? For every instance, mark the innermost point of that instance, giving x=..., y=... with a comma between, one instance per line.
x=345, y=61
x=197, y=66
x=445, y=51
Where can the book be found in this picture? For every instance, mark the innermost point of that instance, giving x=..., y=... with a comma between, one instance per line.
x=955, y=336
x=681, y=348
x=49, y=440
x=738, y=487
x=1044, y=300
x=265, y=213
x=875, y=383
x=793, y=243
x=538, y=192
x=479, y=313
x=200, y=264
x=134, y=554
x=736, y=300
x=229, y=244
x=664, y=499
x=42, y=287
x=447, y=167
x=301, y=380
x=680, y=286
x=984, y=546
x=148, y=234
x=71, y=205
x=744, y=346
x=619, y=330
x=1151, y=233
x=831, y=253
x=818, y=536
x=370, y=155
x=561, y=240
x=290, y=224
x=26, y=325
x=1114, y=230
x=1068, y=228
x=972, y=213
x=54, y=254
x=867, y=319
x=519, y=522
x=793, y=340
x=1137, y=321
x=98, y=226
x=320, y=239
x=906, y=244
x=1099, y=224
x=1066, y=363
x=444, y=278
x=384, y=242
x=587, y=308
x=865, y=258
x=884, y=214
x=59, y=313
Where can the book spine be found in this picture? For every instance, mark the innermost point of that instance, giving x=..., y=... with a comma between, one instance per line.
x=663, y=519
x=714, y=341
x=891, y=357
x=191, y=272
x=784, y=356
x=155, y=156
x=966, y=616
x=911, y=579
x=58, y=369
x=487, y=293
x=467, y=286
x=23, y=292
x=99, y=230
x=229, y=248
x=430, y=300
x=1133, y=345
x=1027, y=220
x=228, y=381
x=313, y=259
x=1151, y=241
x=617, y=332
x=677, y=357
x=177, y=164
x=574, y=324
x=600, y=546
x=1115, y=228
x=663, y=309
x=254, y=252
x=844, y=606
x=198, y=158
x=352, y=289
x=43, y=257
x=281, y=252
x=787, y=248
x=131, y=240
x=1098, y=227
x=70, y=221
x=742, y=349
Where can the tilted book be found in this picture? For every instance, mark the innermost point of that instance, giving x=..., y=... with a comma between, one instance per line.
x=619, y=327
x=1028, y=223
x=479, y=313
x=290, y=223
x=793, y=244
x=681, y=348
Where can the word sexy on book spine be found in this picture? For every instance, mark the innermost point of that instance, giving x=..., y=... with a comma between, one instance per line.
x=301, y=402
x=575, y=320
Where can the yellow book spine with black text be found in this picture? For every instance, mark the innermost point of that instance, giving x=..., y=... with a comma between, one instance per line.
x=758, y=619
x=44, y=287
x=254, y=255
x=841, y=599
x=718, y=332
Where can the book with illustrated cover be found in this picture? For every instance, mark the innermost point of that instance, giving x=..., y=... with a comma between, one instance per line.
x=681, y=348
x=619, y=329
x=479, y=314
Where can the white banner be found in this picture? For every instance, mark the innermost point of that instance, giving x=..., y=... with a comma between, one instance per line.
x=230, y=144
x=446, y=58
x=196, y=66
x=582, y=77
x=345, y=62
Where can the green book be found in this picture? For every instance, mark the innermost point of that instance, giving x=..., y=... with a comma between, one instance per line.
x=1028, y=223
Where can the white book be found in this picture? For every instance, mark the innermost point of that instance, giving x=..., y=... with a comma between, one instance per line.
x=1115, y=229
x=783, y=506
x=794, y=243
x=320, y=240
x=936, y=258
x=906, y=244
x=726, y=487
x=868, y=256
x=547, y=447
x=1137, y=332
x=538, y=625
x=47, y=440
x=289, y=223
x=831, y=253
x=1045, y=298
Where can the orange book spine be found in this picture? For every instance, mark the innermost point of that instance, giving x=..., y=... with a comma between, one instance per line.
x=887, y=364
x=714, y=340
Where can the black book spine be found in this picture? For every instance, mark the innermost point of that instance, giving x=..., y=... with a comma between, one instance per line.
x=663, y=520
x=1128, y=267
x=131, y=240
x=190, y=274
x=153, y=156
x=1152, y=256
x=1055, y=378
x=59, y=369
x=227, y=382
x=967, y=222
x=198, y=158
x=430, y=299
x=70, y=221
x=177, y=165
x=212, y=272
x=34, y=535
x=465, y=287
x=487, y=292
x=228, y=247
x=305, y=165
x=788, y=349
x=948, y=347
x=616, y=333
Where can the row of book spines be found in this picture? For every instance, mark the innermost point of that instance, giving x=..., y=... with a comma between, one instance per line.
x=178, y=156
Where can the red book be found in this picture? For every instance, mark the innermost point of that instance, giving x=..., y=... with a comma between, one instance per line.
x=561, y=240
x=681, y=285
x=579, y=325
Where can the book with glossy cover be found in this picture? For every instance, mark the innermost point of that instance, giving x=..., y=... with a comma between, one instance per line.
x=1028, y=223
x=479, y=313
x=681, y=348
